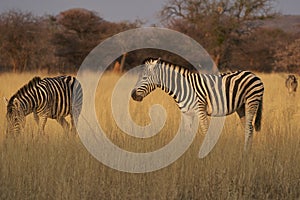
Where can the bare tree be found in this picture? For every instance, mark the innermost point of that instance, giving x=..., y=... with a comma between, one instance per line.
x=216, y=24
x=22, y=40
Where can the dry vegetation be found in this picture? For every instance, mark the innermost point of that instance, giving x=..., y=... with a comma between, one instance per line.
x=32, y=167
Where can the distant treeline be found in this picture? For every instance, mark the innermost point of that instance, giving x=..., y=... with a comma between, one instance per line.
x=60, y=43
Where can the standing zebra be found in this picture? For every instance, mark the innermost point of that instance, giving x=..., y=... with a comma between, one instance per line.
x=291, y=83
x=206, y=95
x=46, y=98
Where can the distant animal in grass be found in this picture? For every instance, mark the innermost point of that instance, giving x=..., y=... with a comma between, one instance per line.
x=291, y=84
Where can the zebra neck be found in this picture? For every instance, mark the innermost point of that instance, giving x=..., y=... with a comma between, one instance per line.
x=175, y=82
x=28, y=101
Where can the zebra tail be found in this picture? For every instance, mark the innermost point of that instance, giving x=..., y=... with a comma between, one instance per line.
x=257, y=123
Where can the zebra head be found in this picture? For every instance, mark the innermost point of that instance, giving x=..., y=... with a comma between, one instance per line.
x=292, y=77
x=15, y=116
x=147, y=81
x=291, y=83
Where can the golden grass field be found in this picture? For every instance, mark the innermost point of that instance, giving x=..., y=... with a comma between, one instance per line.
x=59, y=167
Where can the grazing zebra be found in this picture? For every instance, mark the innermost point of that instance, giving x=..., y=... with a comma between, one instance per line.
x=46, y=98
x=206, y=95
x=291, y=83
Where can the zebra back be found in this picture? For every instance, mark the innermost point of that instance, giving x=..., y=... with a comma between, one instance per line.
x=64, y=95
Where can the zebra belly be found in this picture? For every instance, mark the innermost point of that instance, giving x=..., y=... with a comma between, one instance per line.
x=221, y=112
x=52, y=115
x=57, y=116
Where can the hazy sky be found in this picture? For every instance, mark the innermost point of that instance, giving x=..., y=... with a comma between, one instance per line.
x=115, y=10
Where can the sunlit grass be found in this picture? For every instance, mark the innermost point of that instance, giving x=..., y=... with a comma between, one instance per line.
x=59, y=167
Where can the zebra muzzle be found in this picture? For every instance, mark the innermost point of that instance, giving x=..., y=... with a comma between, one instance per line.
x=135, y=96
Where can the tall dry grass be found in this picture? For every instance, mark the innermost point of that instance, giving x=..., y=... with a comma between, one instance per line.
x=59, y=167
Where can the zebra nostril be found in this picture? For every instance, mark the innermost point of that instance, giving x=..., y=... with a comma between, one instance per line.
x=133, y=91
x=135, y=96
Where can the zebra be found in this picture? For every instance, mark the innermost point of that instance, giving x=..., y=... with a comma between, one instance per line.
x=206, y=95
x=53, y=98
x=291, y=84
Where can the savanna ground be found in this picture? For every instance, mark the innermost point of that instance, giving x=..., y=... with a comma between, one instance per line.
x=59, y=167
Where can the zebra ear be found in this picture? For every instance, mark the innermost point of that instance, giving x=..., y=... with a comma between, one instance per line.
x=5, y=101
x=156, y=63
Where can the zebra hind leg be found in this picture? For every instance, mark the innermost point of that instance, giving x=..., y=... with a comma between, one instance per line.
x=241, y=113
x=75, y=112
x=251, y=111
x=65, y=125
x=74, y=121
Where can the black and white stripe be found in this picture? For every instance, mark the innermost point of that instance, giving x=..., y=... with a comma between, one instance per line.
x=206, y=95
x=53, y=98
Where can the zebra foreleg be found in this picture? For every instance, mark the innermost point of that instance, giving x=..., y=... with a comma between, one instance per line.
x=188, y=120
x=42, y=122
x=65, y=125
x=203, y=122
x=36, y=118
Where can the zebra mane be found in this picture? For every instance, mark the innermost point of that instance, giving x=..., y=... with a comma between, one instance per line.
x=230, y=72
x=149, y=59
x=176, y=67
x=32, y=83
